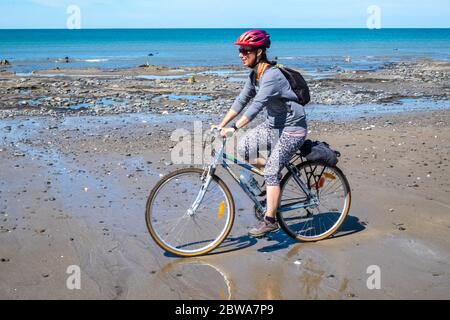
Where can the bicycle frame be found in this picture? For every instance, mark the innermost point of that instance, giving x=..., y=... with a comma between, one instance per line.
x=223, y=157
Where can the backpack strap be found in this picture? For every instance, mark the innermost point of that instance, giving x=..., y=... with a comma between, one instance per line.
x=261, y=69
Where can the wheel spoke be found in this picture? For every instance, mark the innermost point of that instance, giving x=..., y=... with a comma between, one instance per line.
x=332, y=186
x=187, y=234
x=329, y=185
x=325, y=217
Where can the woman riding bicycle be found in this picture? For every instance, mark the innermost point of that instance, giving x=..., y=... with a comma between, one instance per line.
x=282, y=133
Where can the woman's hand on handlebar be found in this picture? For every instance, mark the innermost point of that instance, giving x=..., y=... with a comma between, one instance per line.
x=216, y=127
x=226, y=132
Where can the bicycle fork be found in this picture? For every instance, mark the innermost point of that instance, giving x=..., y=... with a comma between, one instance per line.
x=200, y=195
x=205, y=184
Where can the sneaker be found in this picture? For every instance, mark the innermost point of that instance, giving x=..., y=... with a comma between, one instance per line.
x=262, y=228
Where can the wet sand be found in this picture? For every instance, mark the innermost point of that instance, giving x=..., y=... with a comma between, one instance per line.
x=72, y=197
x=73, y=189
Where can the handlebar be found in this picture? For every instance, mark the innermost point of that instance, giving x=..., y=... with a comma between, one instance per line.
x=217, y=132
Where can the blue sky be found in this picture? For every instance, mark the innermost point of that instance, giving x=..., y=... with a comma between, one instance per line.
x=224, y=14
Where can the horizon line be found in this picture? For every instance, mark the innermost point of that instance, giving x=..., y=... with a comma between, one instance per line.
x=218, y=28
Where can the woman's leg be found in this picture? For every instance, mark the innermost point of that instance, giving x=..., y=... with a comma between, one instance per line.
x=280, y=156
x=254, y=141
x=273, y=200
x=282, y=153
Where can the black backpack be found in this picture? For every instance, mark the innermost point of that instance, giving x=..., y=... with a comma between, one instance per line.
x=297, y=83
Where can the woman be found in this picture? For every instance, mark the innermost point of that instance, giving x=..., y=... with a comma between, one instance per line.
x=285, y=125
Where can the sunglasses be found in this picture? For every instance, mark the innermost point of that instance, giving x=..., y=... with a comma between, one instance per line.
x=246, y=51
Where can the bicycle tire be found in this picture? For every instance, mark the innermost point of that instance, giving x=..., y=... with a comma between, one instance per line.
x=180, y=252
x=343, y=214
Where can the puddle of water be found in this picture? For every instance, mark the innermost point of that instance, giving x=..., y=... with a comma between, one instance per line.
x=234, y=76
x=121, y=119
x=182, y=97
x=230, y=74
x=190, y=280
x=24, y=74
x=102, y=102
x=46, y=75
x=319, y=75
x=80, y=106
x=76, y=106
x=223, y=72
x=31, y=102
x=57, y=75
x=237, y=79
x=350, y=112
x=156, y=77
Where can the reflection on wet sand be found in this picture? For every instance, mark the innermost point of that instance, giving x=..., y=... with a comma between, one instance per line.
x=318, y=278
x=197, y=278
x=311, y=279
x=270, y=287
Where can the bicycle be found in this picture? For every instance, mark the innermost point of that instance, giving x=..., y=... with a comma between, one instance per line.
x=315, y=200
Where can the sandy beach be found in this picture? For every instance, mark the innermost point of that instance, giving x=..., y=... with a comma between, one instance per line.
x=81, y=149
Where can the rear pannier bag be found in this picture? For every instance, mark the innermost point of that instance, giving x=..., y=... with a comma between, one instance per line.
x=319, y=151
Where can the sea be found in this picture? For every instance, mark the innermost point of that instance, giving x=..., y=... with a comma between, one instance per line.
x=315, y=50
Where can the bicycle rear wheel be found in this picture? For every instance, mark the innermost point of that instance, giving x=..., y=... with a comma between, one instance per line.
x=180, y=231
x=317, y=222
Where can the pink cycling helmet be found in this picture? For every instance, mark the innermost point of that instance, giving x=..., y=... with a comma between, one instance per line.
x=254, y=38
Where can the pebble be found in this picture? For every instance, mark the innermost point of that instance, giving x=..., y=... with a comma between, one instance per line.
x=400, y=226
x=436, y=274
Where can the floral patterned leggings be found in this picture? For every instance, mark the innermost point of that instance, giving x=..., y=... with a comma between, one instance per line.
x=262, y=138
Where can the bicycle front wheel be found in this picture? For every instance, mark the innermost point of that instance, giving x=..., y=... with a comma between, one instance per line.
x=180, y=228
x=319, y=221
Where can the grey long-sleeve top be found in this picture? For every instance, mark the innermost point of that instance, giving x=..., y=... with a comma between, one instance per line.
x=274, y=93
